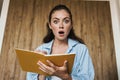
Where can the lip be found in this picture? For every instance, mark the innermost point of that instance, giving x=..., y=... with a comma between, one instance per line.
x=61, y=33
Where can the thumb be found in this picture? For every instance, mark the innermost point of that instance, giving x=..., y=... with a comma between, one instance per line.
x=44, y=52
x=65, y=63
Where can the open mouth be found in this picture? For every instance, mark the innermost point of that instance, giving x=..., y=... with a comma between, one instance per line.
x=61, y=32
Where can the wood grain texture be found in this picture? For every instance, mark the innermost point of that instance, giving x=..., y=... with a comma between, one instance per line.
x=26, y=27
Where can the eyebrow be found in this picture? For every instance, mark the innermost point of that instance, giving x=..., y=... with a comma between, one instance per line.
x=63, y=18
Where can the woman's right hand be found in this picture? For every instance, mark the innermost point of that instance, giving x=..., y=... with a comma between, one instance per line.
x=41, y=77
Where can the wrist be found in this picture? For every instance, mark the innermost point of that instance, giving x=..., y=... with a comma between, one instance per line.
x=41, y=77
x=67, y=77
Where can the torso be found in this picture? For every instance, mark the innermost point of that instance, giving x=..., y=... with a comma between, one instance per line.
x=59, y=50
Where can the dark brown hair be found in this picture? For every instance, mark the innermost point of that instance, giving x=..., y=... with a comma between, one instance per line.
x=50, y=35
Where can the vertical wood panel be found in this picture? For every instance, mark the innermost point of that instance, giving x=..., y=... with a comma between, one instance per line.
x=26, y=27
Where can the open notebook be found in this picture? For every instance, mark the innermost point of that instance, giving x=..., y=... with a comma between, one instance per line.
x=28, y=60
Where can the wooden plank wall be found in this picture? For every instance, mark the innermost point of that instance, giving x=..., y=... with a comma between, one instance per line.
x=26, y=27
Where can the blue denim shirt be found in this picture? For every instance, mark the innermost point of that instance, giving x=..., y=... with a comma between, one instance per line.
x=82, y=68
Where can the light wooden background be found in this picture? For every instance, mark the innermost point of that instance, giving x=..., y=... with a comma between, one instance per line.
x=26, y=27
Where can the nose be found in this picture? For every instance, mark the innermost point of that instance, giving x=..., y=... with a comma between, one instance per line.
x=61, y=26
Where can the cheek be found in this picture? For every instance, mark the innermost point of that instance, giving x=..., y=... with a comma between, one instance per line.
x=54, y=25
x=68, y=28
x=54, y=28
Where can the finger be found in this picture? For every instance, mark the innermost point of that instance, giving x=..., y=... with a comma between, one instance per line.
x=46, y=68
x=44, y=52
x=43, y=70
x=43, y=67
x=51, y=64
x=37, y=50
x=65, y=63
x=41, y=64
x=46, y=71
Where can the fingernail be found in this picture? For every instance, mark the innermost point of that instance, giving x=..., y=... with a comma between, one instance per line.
x=38, y=62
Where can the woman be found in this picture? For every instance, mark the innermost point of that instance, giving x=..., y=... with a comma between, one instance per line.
x=61, y=39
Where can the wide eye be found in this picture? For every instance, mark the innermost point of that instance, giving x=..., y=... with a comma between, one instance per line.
x=55, y=21
x=66, y=21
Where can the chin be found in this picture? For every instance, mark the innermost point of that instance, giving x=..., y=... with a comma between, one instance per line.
x=62, y=38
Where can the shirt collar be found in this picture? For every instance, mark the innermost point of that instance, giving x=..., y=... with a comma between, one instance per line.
x=71, y=44
x=48, y=45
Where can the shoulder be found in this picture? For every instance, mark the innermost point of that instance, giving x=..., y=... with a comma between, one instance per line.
x=81, y=46
x=45, y=46
x=82, y=49
x=76, y=44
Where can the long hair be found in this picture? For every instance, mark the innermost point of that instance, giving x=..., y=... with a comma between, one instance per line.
x=50, y=35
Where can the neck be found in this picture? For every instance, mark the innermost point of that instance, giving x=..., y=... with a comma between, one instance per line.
x=60, y=42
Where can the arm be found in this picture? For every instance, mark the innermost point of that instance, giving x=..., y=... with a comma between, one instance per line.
x=41, y=77
x=54, y=70
x=34, y=76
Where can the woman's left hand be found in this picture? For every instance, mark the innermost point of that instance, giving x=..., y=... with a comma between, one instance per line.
x=54, y=70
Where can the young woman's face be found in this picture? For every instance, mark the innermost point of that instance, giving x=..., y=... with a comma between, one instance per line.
x=60, y=24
